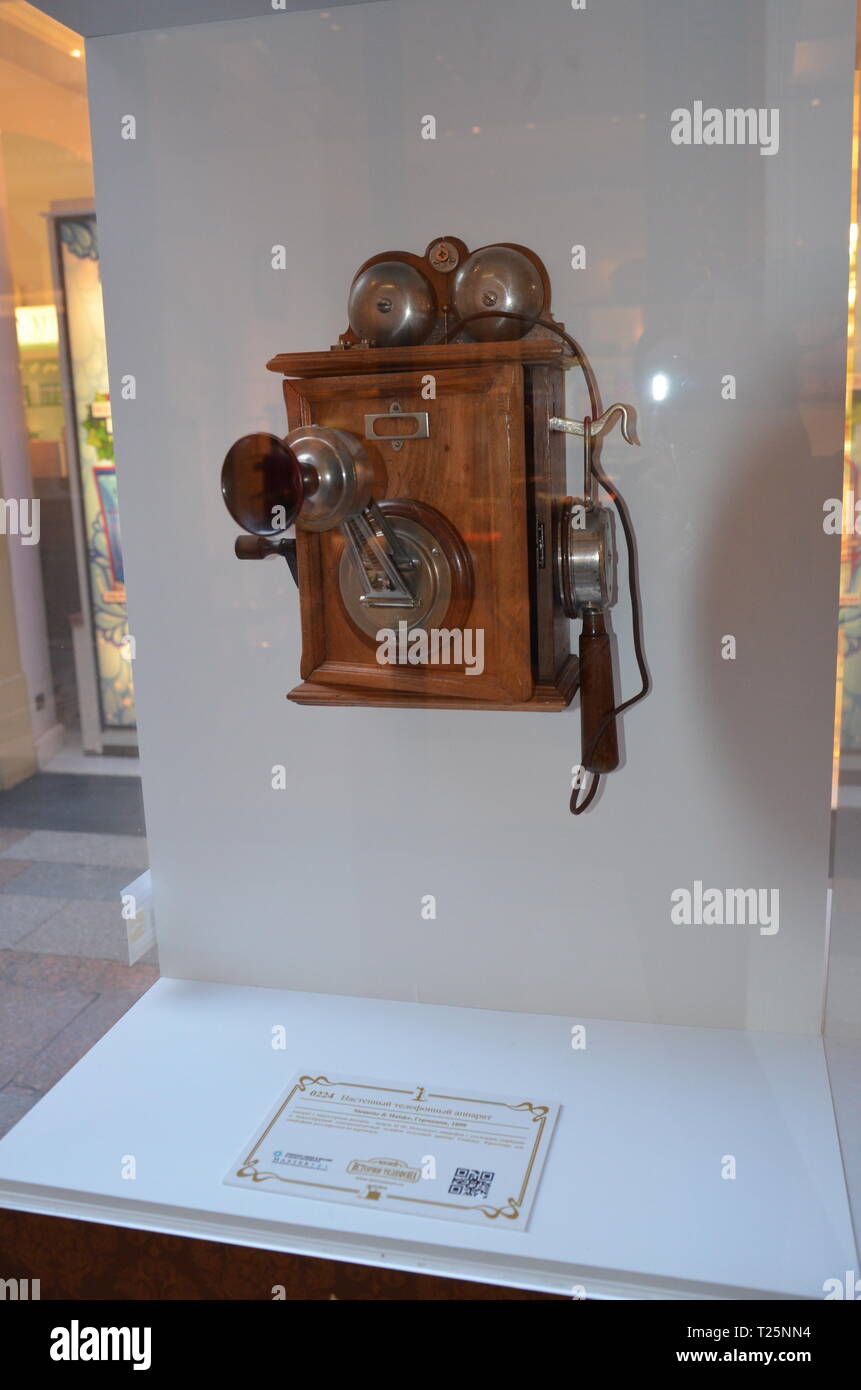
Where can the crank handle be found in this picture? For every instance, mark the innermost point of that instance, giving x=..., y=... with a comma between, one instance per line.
x=261, y=547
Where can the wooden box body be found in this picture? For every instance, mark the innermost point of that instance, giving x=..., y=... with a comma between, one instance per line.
x=490, y=465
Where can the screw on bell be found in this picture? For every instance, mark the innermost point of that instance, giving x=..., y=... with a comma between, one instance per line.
x=392, y=304
x=498, y=277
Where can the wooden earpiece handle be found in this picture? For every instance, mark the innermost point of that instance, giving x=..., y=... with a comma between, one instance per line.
x=597, y=696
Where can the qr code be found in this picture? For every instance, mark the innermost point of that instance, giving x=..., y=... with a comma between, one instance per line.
x=470, y=1182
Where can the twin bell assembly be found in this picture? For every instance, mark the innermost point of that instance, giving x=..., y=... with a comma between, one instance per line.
x=424, y=474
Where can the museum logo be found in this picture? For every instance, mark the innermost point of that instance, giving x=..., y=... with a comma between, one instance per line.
x=383, y=1169
x=708, y=907
x=288, y=1160
x=734, y=126
x=436, y=646
x=19, y=516
x=76, y=1343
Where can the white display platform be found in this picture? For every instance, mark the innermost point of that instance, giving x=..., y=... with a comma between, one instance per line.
x=632, y=1202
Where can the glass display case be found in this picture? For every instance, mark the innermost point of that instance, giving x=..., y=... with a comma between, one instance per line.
x=402, y=286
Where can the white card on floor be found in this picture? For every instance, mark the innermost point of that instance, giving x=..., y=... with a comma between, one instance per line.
x=445, y=1151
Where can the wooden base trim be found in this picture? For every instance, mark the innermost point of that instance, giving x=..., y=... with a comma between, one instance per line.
x=550, y=699
x=74, y=1260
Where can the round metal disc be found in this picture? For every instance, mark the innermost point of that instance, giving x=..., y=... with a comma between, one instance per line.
x=261, y=483
x=432, y=581
x=498, y=277
x=392, y=305
x=338, y=475
x=444, y=256
x=586, y=560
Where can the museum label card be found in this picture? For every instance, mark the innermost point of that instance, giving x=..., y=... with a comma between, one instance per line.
x=422, y=1150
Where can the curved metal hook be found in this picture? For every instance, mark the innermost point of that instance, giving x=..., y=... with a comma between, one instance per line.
x=628, y=427
x=597, y=427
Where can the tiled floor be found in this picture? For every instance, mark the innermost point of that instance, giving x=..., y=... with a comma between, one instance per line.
x=72, y=758
x=75, y=801
x=64, y=972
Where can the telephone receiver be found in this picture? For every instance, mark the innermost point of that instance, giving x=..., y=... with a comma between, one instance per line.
x=586, y=571
x=402, y=556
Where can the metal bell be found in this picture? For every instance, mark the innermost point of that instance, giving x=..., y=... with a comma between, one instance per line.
x=392, y=305
x=498, y=277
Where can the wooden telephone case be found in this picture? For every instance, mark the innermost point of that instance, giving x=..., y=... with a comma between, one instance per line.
x=494, y=470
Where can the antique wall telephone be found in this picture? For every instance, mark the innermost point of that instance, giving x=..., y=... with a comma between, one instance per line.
x=425, y=475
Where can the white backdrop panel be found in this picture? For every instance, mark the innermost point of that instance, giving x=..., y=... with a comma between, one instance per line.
x=553, y=129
